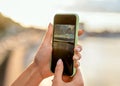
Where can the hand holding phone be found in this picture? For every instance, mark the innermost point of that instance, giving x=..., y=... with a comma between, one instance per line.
x=65, y=35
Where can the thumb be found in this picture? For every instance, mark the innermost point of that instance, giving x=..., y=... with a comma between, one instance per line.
x=59, y=70
x=48, y=36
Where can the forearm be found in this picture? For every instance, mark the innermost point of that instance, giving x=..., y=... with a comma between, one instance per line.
x=30, y=77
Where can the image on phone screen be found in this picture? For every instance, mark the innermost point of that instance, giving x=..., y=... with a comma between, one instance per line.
x=63, y=46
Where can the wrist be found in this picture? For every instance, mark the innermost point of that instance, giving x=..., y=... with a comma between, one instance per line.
x=37, y=70
x=34, y=74
x=30, y=77
x=44, y=71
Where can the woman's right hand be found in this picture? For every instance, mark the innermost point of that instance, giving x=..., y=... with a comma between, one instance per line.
x=77, y=80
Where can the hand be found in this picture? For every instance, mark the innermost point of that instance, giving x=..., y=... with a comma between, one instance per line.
x=58, y=81
x=76, y=58
x=43, y=56
x=76, y=80
x=40, y=68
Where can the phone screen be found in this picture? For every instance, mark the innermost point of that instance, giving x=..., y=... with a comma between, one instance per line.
x=63, y=46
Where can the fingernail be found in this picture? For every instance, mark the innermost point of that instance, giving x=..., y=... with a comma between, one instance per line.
x=78, y=49
x=59, y=62
x=49, y=25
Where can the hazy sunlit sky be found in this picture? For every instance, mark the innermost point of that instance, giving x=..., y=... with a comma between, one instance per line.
x=98, y=14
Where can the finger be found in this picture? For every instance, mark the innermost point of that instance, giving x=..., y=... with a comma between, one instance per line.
x=77, y=48
x=48, y=36
x=59, y=70
x=76, y=64
x=80, y=32
x=77, y=56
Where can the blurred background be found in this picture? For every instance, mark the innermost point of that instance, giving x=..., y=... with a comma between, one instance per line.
x=23, y=24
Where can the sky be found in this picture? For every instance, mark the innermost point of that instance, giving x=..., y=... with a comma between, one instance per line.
x=39, y=13
x=96, y=5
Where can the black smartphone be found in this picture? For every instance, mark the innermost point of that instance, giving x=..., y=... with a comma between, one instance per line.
x=65, y=35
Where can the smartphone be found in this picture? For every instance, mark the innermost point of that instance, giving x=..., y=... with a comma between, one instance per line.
x=65, y=35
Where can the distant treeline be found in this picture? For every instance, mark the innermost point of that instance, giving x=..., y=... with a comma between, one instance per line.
x=10, y=27
x=105, y=33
